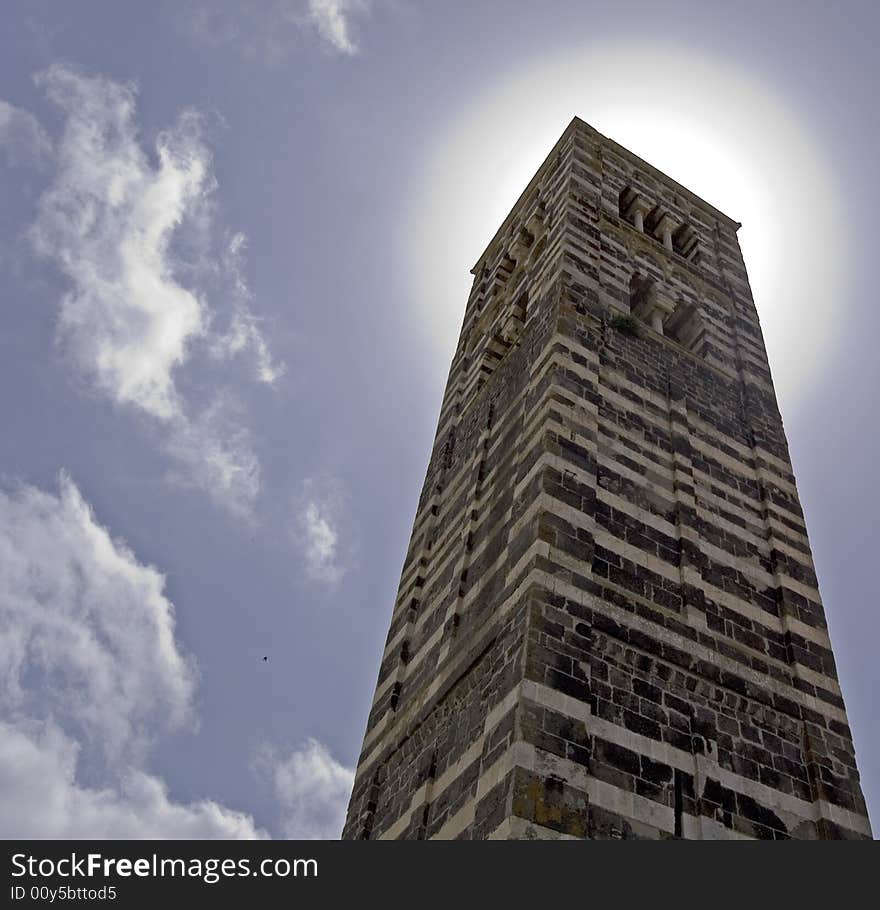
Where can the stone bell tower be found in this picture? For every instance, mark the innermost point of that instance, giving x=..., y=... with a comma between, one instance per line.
x=608, y=623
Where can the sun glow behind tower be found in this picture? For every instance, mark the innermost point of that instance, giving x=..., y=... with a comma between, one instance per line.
x=710, y=126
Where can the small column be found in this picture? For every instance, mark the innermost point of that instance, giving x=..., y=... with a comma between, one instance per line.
x=659, y=309
x=665, y=226
x=638, y=208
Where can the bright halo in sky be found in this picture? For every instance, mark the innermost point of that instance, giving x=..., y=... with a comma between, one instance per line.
x=707, y=124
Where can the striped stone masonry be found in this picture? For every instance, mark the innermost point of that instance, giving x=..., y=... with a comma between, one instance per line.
x=608, y=623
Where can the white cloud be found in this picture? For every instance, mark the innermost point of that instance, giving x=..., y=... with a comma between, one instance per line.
x=42, y=799
x=317, y=533
x=22, y=140
x=109, y=221
x=86, y=632
x=331, y=20
x=90, y=675
x=312, y=790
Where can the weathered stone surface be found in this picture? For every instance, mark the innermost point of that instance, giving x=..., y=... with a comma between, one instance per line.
x=608, y=623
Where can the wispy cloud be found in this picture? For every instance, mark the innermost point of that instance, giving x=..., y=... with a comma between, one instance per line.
x=319, y=512
x=267, y=31
x=312, y=789
x=130, y=322
x=91, y=676
x=244, y=329
x=214, y=450
x=23, y=142
x=331, y=20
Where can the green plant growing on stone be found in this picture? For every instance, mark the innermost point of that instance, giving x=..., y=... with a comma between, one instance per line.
x=625, y=323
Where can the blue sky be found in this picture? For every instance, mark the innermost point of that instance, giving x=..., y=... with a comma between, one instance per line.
x=235, y=243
